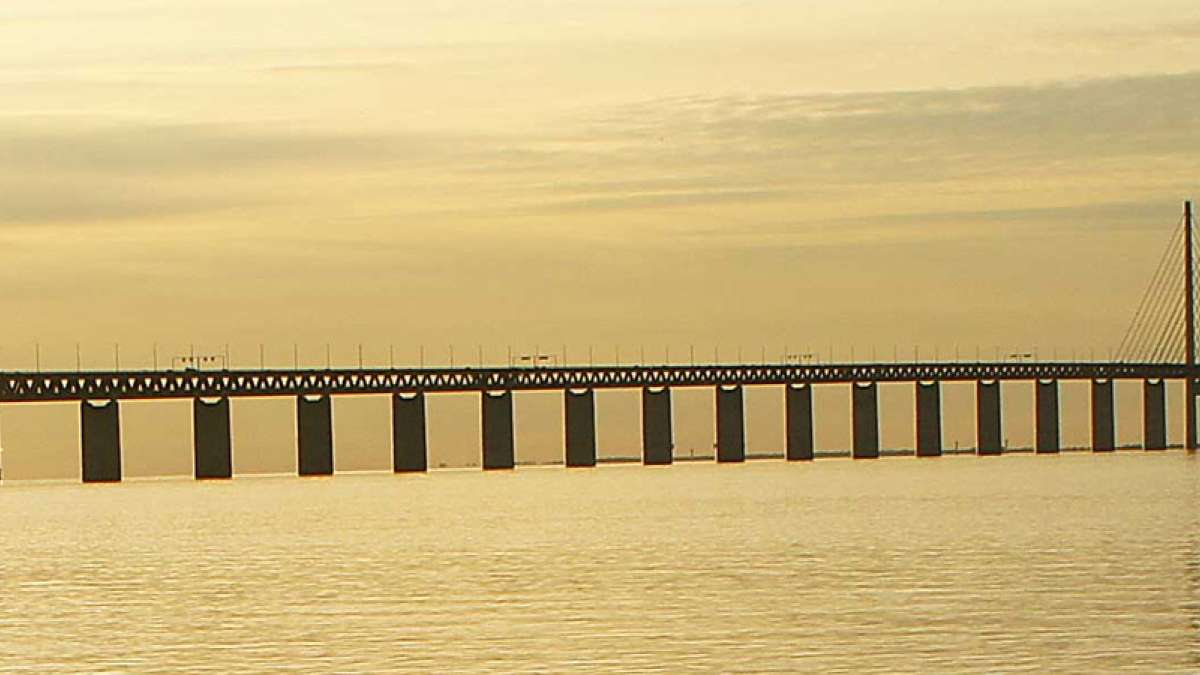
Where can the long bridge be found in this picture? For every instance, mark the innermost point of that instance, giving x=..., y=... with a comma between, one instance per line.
x=1165, y=321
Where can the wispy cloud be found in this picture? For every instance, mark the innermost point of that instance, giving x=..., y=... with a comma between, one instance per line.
x=131, y=147
x=338, y=66
x=1127, y=36
x=861, y=162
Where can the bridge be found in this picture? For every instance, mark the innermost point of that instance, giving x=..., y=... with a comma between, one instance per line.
x=1160, y=345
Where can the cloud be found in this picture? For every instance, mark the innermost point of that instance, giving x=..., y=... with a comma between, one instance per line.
x=650, y=199
x=339, y=66
x=851, y=166
x=942, y=127
x=75, y=169
x=1133, y=36
x=1083, y=138
x=74, y=202
x=135, y=148
x=916, y=227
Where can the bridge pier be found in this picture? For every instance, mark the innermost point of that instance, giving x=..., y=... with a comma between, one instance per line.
x=658, y=442
x=1154, y=414
x=731, y=425
x=1047, y=416
x=100, y=441
x=212, y=445
x=865, y=415
x=314, y=435
x=929, y=419
x=798, y=404
x=1189, y=425
x=988, y=426
x=410, y=453
x=579, y=424
x=499, y=449
x=1103, y=415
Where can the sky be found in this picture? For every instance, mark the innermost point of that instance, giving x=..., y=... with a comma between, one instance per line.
x=736, y=179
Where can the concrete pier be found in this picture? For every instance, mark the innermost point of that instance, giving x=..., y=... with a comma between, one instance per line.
x=658, y=440
x=929, y=419
x=579, y=426
x=410, y=452
x=1154, y=411
x=100, y=441
x=314, y=435
x=798, y=405
x=1104, y=430
x=731, y=425
x=212, y=444
x=1047, y=416
x=988, y=426
x=865, y=414
x=499, y=449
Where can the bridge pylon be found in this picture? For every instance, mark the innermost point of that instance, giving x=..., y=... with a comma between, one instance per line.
x=1189, y=312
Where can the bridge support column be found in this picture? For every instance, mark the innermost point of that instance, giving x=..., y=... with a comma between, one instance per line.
x=100, y=441
x=1047, y=416
x=731, y=425
x=798, y=404
x=499, y=450
x=314, y=435
x=1154, y=411
x=988, y=428
x=658, y=442
x=1104, y=436
x=1189, y=424
x=865, y=415
x=579, y=425
x=929, y=419
x=410, y=453
x=212, y=447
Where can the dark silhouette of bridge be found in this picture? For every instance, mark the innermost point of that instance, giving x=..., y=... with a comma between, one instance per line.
x=1163, y=325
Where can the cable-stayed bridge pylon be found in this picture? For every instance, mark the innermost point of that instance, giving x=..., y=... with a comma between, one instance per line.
x=1163, y=327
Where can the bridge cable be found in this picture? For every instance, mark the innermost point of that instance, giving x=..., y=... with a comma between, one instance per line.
x=1167, y=327
x=1159, y=328
x=1136, y=324
x=1174, y=351
x=1148, y=325
x=1179, y=346
x=1158, y=301
x=1167, y=336
x=1154, y=324
x=1191, y=300
x=1168, y=319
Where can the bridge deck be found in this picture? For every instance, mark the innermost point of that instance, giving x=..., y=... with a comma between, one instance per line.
x=175, y=384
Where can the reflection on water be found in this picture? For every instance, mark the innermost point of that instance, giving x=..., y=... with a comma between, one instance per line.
x=1073, y=563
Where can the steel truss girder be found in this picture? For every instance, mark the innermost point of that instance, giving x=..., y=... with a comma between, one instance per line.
x=131, y=385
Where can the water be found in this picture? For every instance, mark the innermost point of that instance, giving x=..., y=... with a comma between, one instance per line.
x=1070, y=563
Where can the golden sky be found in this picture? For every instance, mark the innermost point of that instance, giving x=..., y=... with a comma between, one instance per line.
x=754, y=174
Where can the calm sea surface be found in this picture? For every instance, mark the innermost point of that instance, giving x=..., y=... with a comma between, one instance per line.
x=1020, y=563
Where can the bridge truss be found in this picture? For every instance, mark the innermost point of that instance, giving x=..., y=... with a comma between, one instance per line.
x=50, y=386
